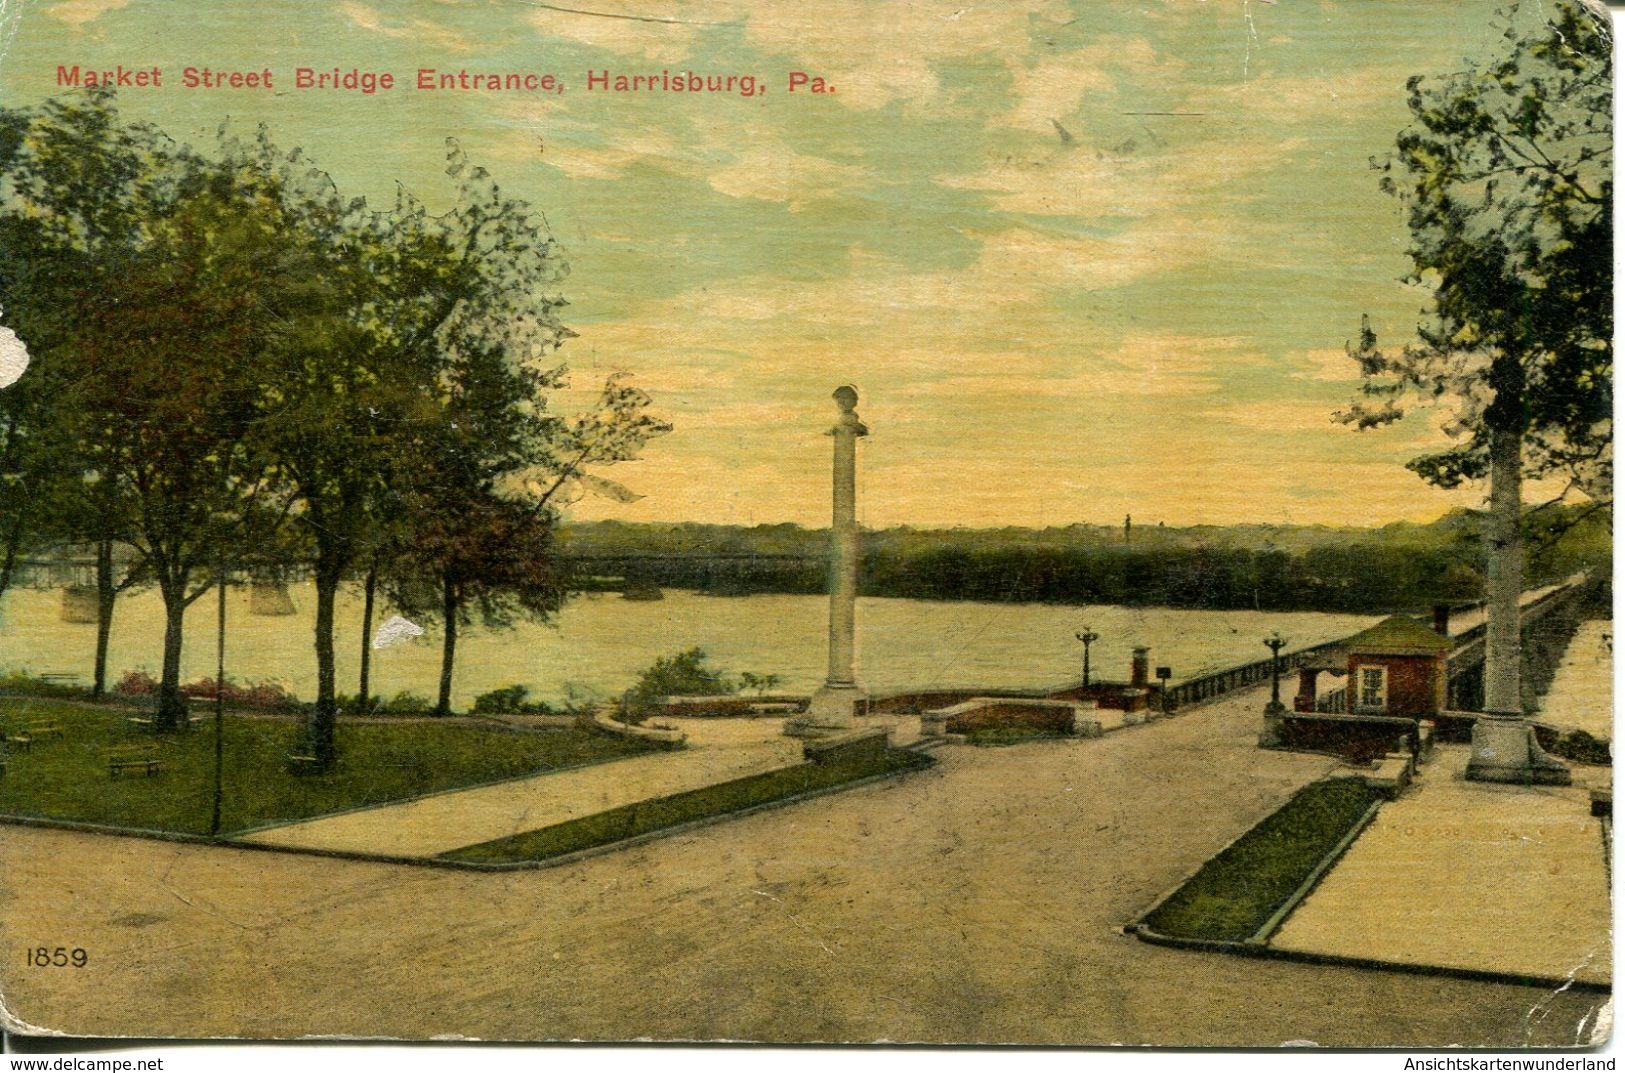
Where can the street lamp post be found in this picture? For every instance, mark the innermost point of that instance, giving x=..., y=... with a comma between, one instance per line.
x=219, y=707
x=1088, y=637
x=1275, y=642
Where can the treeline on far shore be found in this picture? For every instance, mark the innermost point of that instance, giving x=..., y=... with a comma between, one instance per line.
x=1297, y=568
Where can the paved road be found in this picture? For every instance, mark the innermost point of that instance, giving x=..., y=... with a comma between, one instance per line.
x=977, y=901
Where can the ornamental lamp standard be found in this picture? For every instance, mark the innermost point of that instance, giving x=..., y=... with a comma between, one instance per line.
x=1275, y=642
x=1088, y=637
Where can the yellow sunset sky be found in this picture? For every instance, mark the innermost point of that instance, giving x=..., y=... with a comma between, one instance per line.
x=1080, y=258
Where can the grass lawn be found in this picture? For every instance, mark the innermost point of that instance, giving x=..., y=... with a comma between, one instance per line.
x=1237, y=891
x=378, y=762
x=629, y=821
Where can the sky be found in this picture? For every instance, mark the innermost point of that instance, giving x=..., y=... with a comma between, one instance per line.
x=1081, y=258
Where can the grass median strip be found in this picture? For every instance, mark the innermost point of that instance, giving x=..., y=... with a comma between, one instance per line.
x=379, y=762
x=1239, y=890
x=643, y=817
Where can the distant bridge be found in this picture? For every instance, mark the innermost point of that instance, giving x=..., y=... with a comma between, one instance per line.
x=648, y=559
x=69, y=571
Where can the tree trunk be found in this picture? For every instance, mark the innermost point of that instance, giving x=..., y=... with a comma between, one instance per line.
x=363, y=691
x=171, y=713
x=8, y=561
x=320, y=729
x=1502, y=646
x=106, y=594
x=1505, y=419
x=450, y=604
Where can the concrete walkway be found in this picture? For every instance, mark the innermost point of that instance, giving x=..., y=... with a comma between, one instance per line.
x=1470, y=875
x=719, y=749
x=1581, y=696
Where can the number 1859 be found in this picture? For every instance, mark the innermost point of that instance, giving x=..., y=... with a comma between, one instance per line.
x=42, y=957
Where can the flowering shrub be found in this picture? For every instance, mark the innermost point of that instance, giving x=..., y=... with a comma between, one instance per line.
x=261, y=695
x=137, y=684
x=257, y=695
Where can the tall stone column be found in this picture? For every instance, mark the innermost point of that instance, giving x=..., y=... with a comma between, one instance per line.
x=835, y=705
x=1504, y=746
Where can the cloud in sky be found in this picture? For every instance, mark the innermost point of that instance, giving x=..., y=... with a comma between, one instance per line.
x=82, y=12
x=417, y=31
x=1080, y=258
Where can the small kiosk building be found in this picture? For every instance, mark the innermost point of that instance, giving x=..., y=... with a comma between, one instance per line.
x=1397, y=668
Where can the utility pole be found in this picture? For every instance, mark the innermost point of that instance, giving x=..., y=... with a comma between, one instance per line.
x=219, y=706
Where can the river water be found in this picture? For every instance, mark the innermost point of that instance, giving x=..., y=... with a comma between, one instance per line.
x=600, y=642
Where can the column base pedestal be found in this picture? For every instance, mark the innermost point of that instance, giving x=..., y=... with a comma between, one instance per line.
x=834, y=710
x=1273, y=735
x=1505, y=750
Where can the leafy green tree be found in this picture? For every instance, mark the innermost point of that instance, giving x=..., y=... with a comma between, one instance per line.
x=159, y=255
x=173, y=392
x=32, y=450
x=1506, y=176
x=69, y=198
x=487, y=492
x=483, y=558
x=416, y=380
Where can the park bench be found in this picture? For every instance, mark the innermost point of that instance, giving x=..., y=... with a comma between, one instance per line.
x=40, y=729
x=138, y=723
x=22, y=739
x=133, y=758
x=304, y=765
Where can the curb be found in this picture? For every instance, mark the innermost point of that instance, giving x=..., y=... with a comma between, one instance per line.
x=1178, y=884
x=1333, y=855
x=1247, y=949
x=675, y=829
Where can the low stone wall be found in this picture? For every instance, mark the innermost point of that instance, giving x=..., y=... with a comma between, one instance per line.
x=1359, y=738
x=987, y=713
x=920, y=702
x=606, y=724
x=1393, y=774
x=1115, y=696
x=726, y=706
x=871, y=741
